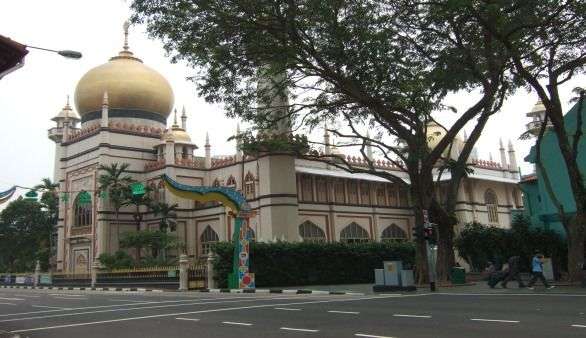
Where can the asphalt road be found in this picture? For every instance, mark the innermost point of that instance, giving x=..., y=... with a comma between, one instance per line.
x=49, y=313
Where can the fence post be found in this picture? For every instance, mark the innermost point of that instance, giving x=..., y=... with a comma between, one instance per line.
x=37, y=274
x=210, y=270
x=183, y=273
x=96, y=266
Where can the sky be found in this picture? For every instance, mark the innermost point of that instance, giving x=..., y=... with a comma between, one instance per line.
x=32, y=95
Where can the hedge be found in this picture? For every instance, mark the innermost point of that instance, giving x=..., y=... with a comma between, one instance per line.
x=478, y=244
x=297, y=264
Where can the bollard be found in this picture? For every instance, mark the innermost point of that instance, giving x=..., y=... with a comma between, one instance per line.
x=183, y=273
x=37, y=274
x=210, y=270
x=96, y=266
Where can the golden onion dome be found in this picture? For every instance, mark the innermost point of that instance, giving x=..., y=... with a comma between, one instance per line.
x=131, y=86
x=177, y=135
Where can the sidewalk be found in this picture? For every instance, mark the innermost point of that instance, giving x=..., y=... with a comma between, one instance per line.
x=475, y=287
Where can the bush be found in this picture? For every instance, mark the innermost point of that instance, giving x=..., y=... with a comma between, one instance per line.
x=478, y=244
x=119, y=260
x=295, y=264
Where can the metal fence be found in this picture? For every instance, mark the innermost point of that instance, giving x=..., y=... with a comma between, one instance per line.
x=166, y=277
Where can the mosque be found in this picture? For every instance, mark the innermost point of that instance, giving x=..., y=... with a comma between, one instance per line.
x=120, y=116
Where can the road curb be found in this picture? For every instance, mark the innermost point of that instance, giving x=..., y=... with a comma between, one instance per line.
x=81, y=288
x=283, y=291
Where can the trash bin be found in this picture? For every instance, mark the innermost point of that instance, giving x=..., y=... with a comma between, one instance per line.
x=458, y=275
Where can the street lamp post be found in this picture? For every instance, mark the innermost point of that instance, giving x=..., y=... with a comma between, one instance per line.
x=70, y=54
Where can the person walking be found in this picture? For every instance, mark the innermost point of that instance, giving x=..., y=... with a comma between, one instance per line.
x=513, y=272
x=537, y=271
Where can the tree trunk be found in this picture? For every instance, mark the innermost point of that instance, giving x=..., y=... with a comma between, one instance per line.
x=575, y=237
x=421, y=189
x=445, y=248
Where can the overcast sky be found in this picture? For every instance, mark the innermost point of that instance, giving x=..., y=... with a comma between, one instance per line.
x=32, y=95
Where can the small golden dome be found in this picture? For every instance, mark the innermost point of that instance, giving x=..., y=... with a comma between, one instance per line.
x=178, y=135
x=435, y=133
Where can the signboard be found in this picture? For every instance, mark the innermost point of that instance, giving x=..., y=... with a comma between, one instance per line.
x=45, y=279
x=20, y=280
x=172, y=273
x=137, y=189
x=31, y=195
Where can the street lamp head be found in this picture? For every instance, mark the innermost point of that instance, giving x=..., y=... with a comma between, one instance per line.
x=71, y=54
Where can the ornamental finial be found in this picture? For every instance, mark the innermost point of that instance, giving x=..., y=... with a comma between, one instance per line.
x=126, y=26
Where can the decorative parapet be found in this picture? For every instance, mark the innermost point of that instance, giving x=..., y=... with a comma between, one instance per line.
x=154, y=165
x=223, y=161
x=487, y=164
x=136, y=129
x=189, y=163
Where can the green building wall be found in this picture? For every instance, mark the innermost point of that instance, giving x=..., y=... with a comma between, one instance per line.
x=538, y=204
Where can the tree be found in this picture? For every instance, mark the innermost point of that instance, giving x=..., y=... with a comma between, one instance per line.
x=168, y=214
x=377, y=65
x=24, y=234
x=50, y=202
x=547, y=45
x=155, y=241
x=115, y=184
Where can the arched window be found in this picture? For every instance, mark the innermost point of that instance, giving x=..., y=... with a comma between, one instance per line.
x=393, y=233
x=353, y=233
x=491, y=202
x=216, y=183
x=82, y=214
x=249, y=188
x=207, y=239
x=231, y=182
x=310, y=232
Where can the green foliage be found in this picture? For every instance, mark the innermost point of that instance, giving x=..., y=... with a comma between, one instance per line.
x=478, y=244
x=116, y=184
x=119, y=260
x=288, y=264
x=270, y=143
x=25, y=230
x=168, y=214
x=154, y=241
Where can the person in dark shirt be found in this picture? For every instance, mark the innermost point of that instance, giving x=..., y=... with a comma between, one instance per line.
x=513, y=273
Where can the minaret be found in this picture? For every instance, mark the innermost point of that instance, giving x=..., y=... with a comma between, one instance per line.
x=504, y=164
x=104, y=123
x=273, y=99
x=184, y=119
x=537, y=115
x=175, y=124
x=208, y=159
x=327, y=147
x=512, y=158
x=238, y=143
x=368, y=146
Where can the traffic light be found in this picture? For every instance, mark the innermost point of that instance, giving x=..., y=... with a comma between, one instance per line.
x=430, y=233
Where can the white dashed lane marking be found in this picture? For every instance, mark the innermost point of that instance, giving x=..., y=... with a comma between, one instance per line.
x=52, y=307
x=580, y=326
x=300, y=330
x=71, y=298
x=237, y=323
x=287, y=309
x=410, y=316
x=494, y=320
x=370, y=335
x=190, y=319
x=7, y=304
x=13, y=299
x=345, y=312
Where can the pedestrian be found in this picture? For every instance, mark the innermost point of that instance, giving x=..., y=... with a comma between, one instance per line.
x=537, y=271
x=513, y=272
x=494, y=275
